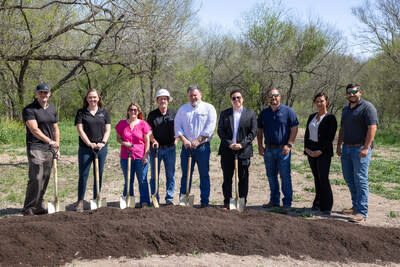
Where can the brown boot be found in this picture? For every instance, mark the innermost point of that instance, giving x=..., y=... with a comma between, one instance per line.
x=349, y=211
x=79, y=206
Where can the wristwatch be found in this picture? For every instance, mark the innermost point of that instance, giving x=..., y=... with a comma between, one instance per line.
x=104, y=142
x=289, y=145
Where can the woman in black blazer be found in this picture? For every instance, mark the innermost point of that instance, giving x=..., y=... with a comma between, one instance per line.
x=320, y=132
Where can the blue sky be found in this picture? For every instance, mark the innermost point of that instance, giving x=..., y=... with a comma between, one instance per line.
x=336, y=13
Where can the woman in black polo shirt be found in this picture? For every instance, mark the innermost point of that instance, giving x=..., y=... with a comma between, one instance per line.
x=93, y=124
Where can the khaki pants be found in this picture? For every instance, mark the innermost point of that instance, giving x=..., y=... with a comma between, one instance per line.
x=40, y=164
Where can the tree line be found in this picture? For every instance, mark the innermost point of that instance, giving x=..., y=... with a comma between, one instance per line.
x=128, y=49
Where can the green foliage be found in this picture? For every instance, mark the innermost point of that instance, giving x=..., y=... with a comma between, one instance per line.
x=12, y=133
x=388, y=136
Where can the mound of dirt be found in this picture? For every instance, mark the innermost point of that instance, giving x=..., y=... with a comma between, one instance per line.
x=60, y=238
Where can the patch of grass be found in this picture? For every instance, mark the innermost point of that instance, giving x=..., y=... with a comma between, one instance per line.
x=302, y=167
x=309, y=189
x=338, y=182
x=393, y=214
x=381, y=170
x=296, y=198
x=146, y=253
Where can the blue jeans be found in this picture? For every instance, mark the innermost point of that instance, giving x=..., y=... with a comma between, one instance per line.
x=141, y=175
x=168, y=155
x=201, y=156
x=85, y=159
x=276, y=163
x=355, y=173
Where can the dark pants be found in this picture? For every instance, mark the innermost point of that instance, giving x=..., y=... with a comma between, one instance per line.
x=320, y=169
x=40, y=164
x=228, y=170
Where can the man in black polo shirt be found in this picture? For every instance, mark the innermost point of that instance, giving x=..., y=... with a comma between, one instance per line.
x=42, y=134
x=161, y=121
x=357, y=131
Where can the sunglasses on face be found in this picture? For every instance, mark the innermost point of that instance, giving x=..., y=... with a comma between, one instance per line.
x=133, y=109
x=236, y=97
x=352, y=91
x=273, y=95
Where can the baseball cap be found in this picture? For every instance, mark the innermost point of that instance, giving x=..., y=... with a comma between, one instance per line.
x=163, y=92
x=42, y=87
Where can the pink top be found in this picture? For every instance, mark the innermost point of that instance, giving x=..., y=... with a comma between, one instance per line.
x=134, y=136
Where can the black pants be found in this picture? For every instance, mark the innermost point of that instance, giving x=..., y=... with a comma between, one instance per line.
x=320, y=170
x=228, y=170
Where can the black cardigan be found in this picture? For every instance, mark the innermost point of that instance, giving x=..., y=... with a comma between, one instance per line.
x=326, y=133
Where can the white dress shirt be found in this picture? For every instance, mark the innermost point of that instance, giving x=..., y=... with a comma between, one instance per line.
x=236, y=119
x=193, y=122
x=313, y=127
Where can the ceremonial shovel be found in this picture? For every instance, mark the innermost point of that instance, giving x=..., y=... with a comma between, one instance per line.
x=128, y=201
x=98, y=202
x=187, y=200
x=237, y=203
x=154, y=196
x=57, y=205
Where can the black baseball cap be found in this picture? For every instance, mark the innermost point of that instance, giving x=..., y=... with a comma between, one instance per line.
x=42, y=87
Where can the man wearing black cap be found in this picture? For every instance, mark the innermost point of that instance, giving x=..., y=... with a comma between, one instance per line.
x=42, y=134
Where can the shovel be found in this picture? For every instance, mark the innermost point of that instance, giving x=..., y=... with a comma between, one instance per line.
x=128, y=201
x=57, y=205
x=187, y=200
x=154, y=196
x=98, y=202
x=237, y=203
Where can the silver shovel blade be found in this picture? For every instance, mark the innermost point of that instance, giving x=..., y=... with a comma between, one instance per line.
x=98, y=203
x=126, y=202
x=239, y=204
x=55, y=206
x=186, y=201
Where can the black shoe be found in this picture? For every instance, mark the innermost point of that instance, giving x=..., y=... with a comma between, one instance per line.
x=29, y=212
x=40, y=211
x=314, y=208
x=270, y=205
x=202, y=206
x=169, y=203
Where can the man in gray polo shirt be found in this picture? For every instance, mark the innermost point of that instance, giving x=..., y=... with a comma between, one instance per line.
x=357, y=131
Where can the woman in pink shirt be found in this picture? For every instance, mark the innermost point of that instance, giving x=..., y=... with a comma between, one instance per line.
x=134, y=136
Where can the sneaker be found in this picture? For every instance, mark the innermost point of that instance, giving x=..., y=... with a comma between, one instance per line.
x=79, y=206
x=270, y=205
x=358, y=218
x=325, y=213
x=169, y=203
x=349, y=211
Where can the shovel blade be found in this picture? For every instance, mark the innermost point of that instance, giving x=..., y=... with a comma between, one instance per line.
x=126, y=202
x=237, y=204
x=55, y=206
x=186, y=201
x=155, y=201
x=98, y=203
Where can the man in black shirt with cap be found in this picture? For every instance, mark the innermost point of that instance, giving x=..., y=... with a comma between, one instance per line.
x=42, y=135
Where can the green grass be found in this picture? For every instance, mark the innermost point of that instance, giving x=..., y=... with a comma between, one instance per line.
x=393, y=214
x=309, y=189
x=338, y=182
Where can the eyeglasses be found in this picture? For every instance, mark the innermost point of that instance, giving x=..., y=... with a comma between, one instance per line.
x=273, y=95
x=133, y=109
x=349, y=92
x=236, y=97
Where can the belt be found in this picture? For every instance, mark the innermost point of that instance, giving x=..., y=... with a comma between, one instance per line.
x=166, y=146
x=273, y=146
x=202, y=144
x=353, y=145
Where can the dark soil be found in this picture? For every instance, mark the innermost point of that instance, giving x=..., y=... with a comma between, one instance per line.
x=59, y=238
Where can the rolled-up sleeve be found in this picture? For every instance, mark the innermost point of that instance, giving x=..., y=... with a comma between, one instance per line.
x=211, y=122
x=178, y=124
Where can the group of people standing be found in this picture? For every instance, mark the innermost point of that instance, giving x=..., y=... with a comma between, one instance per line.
x=193, y=124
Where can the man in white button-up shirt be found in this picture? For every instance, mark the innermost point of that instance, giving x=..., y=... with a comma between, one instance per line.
x=195, y=124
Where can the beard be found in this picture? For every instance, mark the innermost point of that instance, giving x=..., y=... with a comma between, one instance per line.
x=196, y=103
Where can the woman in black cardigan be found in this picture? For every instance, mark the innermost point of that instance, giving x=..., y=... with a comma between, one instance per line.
x=320, y=132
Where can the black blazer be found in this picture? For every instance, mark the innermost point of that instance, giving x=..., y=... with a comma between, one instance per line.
x=247, y=131
x=326, y=133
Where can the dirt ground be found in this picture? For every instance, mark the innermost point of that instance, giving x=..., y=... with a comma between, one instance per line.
x=183, y=236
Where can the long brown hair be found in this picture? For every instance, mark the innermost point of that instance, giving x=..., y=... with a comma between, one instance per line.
x=139, y=114
x=85, y=104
